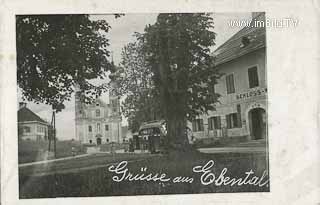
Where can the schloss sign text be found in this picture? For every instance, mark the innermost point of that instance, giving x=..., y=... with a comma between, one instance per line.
x=251, y=94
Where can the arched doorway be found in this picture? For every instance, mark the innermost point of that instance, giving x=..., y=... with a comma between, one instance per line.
x=98, y=141
x=258, y=123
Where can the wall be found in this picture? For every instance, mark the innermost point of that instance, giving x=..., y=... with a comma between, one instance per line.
x=228, y=102
x=90, y=118
x=35, y=130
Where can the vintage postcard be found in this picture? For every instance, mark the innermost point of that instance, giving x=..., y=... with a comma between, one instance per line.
x=162, y=103
x=201, y=127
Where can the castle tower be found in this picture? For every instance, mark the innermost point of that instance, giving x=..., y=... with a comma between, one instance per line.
x=114, y=101
x=79, y=114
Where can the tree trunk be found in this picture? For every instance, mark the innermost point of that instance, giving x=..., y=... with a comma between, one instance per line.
x=177, y=135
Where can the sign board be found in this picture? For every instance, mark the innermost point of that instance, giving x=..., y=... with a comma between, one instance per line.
x=253, y=93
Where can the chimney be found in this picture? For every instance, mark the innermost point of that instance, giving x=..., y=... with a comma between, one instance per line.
x=22, y=104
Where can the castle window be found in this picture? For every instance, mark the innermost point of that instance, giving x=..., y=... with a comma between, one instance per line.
x=106, y=127
x=98, y=113
x=90, y=128
x=232, y=121
x=214, y=122
x=253, y=77
x=26, y=129
x=230, y=84
x=90, y=141
x=98, y=127
x=197, y=125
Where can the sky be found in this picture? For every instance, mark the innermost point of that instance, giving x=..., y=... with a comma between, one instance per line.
x=121, y=33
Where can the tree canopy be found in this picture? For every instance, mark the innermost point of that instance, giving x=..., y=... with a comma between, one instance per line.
x=57, y=52
x=135, y=82
x=177, y=49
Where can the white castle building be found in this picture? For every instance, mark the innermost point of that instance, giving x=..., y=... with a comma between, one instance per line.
x=99, y=122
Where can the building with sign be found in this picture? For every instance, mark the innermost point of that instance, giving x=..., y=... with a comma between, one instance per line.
x=241, y=112
x=99, y=122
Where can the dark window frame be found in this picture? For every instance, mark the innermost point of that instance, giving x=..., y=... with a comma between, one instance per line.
x=217, y=122
x=253, y=77
x=233, y=121
x=26, y=129
x=230, y=83
x=197, y=125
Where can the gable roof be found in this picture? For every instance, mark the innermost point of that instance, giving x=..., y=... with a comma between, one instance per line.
x=234, y=48
x=26, y=115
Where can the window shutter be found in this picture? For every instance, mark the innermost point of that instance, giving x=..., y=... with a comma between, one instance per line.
x=194, y=128
x=201, y=124
x=228, y=121
x=253, y=77
x=219, y=123
x=239, y=115
x=210, y=123
x=227, y=83
x=234, y=120
x=232, y=84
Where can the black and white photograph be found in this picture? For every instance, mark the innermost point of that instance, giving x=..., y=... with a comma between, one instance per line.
x=142, y=104
x=159, y=102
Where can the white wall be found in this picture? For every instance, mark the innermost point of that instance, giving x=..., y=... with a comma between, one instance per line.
x=239, y=69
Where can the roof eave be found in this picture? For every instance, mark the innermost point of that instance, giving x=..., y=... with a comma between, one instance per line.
x=236, y=57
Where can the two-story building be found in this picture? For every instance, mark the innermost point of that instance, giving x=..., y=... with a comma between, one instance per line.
x=241, y=112
x=30, y=125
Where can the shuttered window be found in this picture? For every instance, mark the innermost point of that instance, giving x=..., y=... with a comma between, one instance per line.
x=233, y=121
x=230, y=84
x=197, y=125
x=214, y=122
x=217, y=122
x=239, y=115
x=253, y=77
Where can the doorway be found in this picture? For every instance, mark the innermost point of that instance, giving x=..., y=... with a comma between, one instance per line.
x=257, y=119
x=98, y=141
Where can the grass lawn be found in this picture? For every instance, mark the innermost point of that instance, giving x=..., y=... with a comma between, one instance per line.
x=76, y=164
x=98, y=181
x=31, y=151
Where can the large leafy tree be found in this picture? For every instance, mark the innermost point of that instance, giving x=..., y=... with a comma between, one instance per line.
x=177, y=49
x=135, y=82
x=57, y=52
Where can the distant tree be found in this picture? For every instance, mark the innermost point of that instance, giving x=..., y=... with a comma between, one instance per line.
x=56, y=52
x=177, y=49
x=135, y=82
